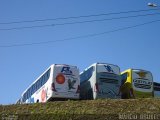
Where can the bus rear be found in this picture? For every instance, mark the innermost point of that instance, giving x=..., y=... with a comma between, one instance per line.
x=66, y=82
x=107, y=81
x=156, y=87
x=142, y=82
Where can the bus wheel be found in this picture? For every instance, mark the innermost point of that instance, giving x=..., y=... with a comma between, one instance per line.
x=90, y=95
x=37, y=101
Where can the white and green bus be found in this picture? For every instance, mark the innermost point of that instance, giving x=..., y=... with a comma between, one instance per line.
x=100, y=80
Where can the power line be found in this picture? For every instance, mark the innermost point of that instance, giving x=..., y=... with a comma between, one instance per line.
x=77, y=22
x=99, y=20
x=27, y=27
x=76, y=17
x=78, y=37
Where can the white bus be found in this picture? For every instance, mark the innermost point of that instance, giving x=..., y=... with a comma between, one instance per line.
x=100, y=80
x=156, y=87
x=59, y=81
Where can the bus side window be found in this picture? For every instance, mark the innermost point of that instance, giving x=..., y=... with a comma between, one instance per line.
x=48, y=74
x=86, y=75
x=89, y=73
x=124, y=77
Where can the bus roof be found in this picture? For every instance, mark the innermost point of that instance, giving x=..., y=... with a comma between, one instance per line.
x=94, y=64
x=132, y=69
x=64, y=65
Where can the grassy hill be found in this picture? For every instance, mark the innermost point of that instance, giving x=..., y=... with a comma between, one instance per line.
x=107, y=109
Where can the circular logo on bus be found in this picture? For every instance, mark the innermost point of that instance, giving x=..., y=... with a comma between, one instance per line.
x=43, y=95
x=60, y=79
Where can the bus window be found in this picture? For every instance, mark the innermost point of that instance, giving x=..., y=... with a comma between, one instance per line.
x=124, y=77
x=87, y=74
x=156, y=90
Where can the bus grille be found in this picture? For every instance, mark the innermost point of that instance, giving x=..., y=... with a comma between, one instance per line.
x=111, y=81
x=142, y=86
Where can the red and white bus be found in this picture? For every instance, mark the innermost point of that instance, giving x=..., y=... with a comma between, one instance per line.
x=59, y=81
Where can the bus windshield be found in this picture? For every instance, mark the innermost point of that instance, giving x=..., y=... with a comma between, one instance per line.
x=108, y=68
x=142, y=80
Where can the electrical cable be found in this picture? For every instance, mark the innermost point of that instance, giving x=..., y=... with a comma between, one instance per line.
x=78, y=37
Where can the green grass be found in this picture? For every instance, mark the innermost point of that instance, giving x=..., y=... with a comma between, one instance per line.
x=108, y=109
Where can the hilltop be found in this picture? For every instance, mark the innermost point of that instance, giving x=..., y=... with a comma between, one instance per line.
x=108, y=109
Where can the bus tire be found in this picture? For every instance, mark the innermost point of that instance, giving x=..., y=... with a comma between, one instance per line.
x=37, y=101
x=90, y=94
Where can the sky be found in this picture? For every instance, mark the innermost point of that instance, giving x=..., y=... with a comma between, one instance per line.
x=25, y=53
